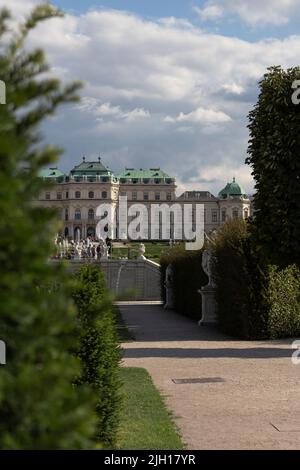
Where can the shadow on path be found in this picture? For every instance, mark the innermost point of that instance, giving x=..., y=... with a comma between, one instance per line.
x=241, y=353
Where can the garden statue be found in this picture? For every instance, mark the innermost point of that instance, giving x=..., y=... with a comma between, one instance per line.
x=207, y=260
x=208, y=292
x=142, y=251
x=105, y=251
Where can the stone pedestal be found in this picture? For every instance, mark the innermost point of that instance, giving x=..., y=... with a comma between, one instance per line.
x=209, y=306
x=169, y=305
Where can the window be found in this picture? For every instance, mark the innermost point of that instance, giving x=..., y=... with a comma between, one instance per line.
x=235, y=213
x=58, y=196
x=48, y=196
x=223, y=215
x=77, y=214
x=134, y=196
x=214, y=216
x=91, y=214
x=91, y=194
x=169, y=196
x=77, y=194
x=66, y=214
x=157, y=196
x=67, y=195
x=104, y=194
x=146, y=197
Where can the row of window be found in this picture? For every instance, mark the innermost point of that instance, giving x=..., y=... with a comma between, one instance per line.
x=104, y=195
x=146, y=196
x=91, y=195
x=146, y=180
x=77, y=216
x=214, y=215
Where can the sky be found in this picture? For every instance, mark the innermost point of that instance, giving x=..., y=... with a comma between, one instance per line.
x=167, y=83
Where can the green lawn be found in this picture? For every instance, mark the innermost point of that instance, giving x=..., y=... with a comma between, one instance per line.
x=145, y=421
x=130, y=250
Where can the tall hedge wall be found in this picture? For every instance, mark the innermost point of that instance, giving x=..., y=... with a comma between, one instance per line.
x=188, y=279
x=241, y=283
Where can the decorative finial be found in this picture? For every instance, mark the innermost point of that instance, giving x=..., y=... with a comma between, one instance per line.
x=99, y=158
x=234, y=179
x=83, y=158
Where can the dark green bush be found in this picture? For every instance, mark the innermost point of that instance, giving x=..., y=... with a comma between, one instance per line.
x=99, y=349
x=283, y=296
x=241, y=282
x=188, y=279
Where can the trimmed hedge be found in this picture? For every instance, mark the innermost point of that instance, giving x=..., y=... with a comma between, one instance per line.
x=241, y=292
x=284, y=302
x=188, y=279
x=99, y=349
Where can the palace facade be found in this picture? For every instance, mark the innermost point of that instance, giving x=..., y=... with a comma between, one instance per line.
x=77, y=196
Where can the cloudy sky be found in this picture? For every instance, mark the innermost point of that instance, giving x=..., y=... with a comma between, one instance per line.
x=167, y=83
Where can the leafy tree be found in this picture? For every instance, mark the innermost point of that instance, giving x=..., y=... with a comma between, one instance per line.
x=39, y=406
x=274, y=150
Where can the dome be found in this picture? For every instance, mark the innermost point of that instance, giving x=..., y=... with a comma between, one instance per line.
x=232, y=189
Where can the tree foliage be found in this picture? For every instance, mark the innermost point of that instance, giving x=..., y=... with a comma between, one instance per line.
x=39, y=407
x=274, y=150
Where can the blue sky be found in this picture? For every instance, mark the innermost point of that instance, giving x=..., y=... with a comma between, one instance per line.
x=167, y=83
x=231, y=26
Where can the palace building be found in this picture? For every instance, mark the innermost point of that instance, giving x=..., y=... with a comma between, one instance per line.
x=77, y=195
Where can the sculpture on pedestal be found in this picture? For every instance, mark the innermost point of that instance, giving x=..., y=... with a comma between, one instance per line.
x=208, y=292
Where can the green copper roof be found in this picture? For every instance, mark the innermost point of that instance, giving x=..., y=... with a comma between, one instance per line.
x=232, y=189
x=51, y=173
x=132, y=173
x=90, y=168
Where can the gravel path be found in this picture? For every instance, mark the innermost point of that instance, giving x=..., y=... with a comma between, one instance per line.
x=248, y=396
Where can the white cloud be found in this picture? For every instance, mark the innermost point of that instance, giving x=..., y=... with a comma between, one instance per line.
x=141, y=76
x=254, y=12
x=106, y=111
x=201, y=116
x=210, y=11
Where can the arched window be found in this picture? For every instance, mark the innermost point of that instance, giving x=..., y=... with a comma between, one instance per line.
x=66, y=232
x=104, y=194
x=235, y=213
x=91, y=232
x=77, y=194
x=66, y=214
x=224, y=215
x=91, y=195
x=91, y=214
x=77, y=214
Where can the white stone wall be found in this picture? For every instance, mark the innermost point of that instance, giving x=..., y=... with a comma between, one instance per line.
x=140, y=278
